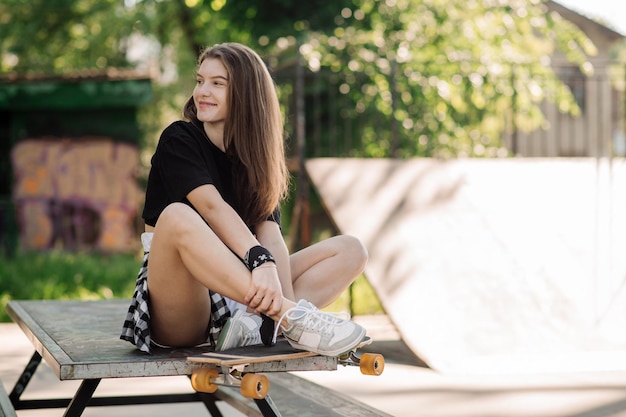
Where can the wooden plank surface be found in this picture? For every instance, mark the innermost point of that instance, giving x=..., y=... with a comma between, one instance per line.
x=298, y=397
x=80, y=340
x=489, y=265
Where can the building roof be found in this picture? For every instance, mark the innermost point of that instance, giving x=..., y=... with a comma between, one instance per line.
x=583, y=21
x=78, y=90
x=109, y=74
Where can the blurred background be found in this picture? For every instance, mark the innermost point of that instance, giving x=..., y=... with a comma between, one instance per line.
x=87, y=86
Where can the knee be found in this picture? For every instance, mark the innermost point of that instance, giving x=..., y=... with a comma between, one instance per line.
x=356, y=252
x=175, y=218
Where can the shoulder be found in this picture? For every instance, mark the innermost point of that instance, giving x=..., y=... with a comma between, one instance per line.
x=178, y=129
x=181, y=133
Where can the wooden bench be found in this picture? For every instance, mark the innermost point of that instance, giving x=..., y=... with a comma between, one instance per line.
x=79, y=341
x=298, y=397
x=6, y=408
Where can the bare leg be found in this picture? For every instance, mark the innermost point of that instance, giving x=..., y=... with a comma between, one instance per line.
x=186, y=259
x=321, y=272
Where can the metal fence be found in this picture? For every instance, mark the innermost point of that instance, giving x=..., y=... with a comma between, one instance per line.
x=598, y=131
x=331, y=126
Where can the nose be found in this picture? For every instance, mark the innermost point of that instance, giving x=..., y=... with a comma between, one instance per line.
x=203, y=89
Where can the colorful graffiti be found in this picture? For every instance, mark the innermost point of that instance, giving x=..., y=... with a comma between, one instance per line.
x=77, y=194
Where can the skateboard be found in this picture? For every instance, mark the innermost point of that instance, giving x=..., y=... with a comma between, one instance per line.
x=239, y=367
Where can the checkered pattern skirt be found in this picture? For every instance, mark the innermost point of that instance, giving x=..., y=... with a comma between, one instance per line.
x=136, y=328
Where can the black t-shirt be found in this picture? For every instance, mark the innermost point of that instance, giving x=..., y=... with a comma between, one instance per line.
x=185, y=159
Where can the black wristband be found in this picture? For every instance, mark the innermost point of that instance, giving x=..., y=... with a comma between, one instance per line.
x=257, y=256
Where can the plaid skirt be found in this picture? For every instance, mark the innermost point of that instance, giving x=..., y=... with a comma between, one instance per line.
x=136, y=327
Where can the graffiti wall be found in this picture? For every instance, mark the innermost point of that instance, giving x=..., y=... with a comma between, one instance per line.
x=77, y=194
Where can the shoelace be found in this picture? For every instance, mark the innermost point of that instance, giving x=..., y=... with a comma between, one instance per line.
x=252, y=337
x=313, y=318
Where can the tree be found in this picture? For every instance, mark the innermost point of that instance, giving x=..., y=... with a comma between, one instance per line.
x=450, y=75
x=52, y=36
x=268, y=20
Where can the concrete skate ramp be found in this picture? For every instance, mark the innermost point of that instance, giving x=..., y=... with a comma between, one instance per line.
x=491, y=265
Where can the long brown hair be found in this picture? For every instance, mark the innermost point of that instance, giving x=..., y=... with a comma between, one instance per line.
x=253, y=131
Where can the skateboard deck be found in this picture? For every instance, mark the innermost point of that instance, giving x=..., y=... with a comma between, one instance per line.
x=240, y=367
x=282, y=350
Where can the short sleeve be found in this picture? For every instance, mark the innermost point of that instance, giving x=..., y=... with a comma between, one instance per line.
x=183, y=160
x=180, y=163
x=275, y=217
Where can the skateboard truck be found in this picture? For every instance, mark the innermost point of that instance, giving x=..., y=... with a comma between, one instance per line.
x=368, y=363
x=251, y=385
x=256, y=386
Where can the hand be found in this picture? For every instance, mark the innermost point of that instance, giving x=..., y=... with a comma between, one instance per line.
x=265, y=294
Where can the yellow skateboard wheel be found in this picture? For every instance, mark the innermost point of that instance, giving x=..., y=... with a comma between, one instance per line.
x=201, y=380
x=254, y=386
x=372, y=364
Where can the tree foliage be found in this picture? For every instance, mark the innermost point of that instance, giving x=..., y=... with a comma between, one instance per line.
x=451, y=75
x=448, y=76
x=56, y=35
x=268, y=20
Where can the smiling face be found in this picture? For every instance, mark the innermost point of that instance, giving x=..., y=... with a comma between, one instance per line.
x=211, y=92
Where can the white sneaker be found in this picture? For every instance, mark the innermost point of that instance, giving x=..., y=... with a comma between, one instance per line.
x=242, y=329
x=308, y=328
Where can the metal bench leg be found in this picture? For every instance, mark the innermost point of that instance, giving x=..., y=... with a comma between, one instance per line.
x=81, y=398
x=267, y=407
x=209, y=403
x=24, y=379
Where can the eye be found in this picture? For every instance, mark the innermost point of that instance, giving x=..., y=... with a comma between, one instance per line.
x=199, y=81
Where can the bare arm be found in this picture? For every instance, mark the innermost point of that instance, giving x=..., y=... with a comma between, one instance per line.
x=269, y=235
x=265, y=292
x=222, y=219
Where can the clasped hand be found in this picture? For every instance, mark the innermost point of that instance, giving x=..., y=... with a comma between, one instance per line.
x=265, y=294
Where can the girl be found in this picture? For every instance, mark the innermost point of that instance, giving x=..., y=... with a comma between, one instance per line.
x=217, y=258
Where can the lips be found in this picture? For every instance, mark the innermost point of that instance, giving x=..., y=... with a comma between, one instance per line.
x=206, y=105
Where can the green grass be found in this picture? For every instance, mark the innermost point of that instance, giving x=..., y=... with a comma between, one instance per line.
x=360, y=299
x=63, y=275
